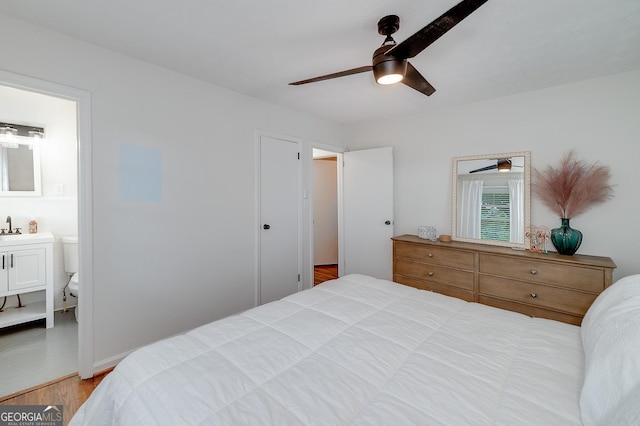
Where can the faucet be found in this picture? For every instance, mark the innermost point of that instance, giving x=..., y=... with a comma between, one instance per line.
x=9, y=222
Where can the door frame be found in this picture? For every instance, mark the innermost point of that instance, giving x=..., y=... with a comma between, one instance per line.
x=257, y=203
x=82, y=99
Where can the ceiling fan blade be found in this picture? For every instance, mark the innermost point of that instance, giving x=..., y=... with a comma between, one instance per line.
x=334, y=75
x=415, y=80
x=436, y=29
x=484, y=169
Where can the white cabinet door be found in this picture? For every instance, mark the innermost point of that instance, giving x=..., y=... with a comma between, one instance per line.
x=368, y=212
x=26, y=269
x=4, y=273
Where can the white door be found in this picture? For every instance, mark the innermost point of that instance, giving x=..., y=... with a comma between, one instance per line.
x=368, y=212
x=279, y=256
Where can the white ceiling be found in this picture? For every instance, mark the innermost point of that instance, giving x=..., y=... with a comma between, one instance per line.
x=257, y=47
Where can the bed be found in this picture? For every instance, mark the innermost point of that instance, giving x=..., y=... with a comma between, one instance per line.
x=363, y=351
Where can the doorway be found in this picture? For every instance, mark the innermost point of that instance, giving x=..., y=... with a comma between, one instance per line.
x=61, y=199
x=326, y=247
x=32, y=354
x=364, y=211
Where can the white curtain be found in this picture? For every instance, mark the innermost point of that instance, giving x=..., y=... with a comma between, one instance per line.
x=470, y=206
x=516, y=210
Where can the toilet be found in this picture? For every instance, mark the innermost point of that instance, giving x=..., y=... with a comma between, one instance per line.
x=70, y=254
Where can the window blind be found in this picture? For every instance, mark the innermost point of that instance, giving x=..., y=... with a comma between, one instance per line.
x=494, y=217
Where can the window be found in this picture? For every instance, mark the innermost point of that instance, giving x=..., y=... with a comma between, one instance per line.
x=494, y=216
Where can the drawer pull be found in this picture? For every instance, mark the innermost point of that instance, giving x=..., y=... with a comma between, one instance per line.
x=534, y=271
x=430, y=273
x=534, y=294
x=430, y=254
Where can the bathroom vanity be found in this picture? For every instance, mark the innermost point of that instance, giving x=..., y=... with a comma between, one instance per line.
x=27, y=266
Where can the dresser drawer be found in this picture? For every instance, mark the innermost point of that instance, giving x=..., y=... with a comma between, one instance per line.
x=561, y=299
x=438, y=288
x=434, y=273
x=436, y=255
x=564, y=286
x=580, y=278
x=532, y=311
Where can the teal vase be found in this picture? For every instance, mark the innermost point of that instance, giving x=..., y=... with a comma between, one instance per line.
x=565, y=239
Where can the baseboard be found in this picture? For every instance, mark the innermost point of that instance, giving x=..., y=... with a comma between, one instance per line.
x=108, y=363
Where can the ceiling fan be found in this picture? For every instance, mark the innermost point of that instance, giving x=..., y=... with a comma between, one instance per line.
x=502, y=165
x=390, y=63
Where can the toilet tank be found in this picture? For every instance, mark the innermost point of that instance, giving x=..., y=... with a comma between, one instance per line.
x=70, y=254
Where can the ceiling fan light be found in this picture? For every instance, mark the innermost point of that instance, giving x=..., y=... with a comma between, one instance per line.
x=389, y=70
x=504, y=165
x=390, y=79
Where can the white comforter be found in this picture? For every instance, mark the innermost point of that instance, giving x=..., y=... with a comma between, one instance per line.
x=352, y=351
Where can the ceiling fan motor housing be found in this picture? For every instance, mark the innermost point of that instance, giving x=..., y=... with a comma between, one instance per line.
x=384, y=64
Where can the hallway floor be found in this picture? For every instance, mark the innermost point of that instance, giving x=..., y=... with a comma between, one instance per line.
x=322, y=273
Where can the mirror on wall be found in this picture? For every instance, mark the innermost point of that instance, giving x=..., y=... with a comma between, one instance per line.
x=20, y=170
x=20, y=160
x=491, y=199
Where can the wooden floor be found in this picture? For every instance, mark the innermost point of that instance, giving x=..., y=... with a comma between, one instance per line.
x=69, y=391
x=324, y=273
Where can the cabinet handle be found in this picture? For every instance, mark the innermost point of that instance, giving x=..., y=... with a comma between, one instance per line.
x=430, y=254
x=533, y=271
x=430, y=273
x=534, y=294
x=3, y=261
x=12, y=260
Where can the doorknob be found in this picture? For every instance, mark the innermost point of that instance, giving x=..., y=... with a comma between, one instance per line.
x=387, y=222
x=265, y=226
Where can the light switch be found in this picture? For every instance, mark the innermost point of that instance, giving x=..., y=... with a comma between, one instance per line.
x=58, y=189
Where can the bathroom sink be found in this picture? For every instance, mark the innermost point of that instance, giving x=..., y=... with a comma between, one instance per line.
x=26, y=238
x=16, y=236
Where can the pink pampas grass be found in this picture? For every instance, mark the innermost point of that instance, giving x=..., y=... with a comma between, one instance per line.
x=573, y=187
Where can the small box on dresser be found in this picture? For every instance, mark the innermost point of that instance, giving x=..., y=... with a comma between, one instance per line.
x=542, y=285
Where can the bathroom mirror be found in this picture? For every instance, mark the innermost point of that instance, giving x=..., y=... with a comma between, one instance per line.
x=20, y=170
x=492, y=199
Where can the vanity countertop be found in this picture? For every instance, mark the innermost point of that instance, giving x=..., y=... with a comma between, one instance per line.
x=20, y=239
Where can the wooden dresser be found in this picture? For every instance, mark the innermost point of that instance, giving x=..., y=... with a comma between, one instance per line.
x=541, y=285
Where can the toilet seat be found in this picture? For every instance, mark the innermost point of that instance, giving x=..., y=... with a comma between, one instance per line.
x=73, y=285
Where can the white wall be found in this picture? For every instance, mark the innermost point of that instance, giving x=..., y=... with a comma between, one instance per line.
x=163, y=266
x=55, y=213
x=597, y=117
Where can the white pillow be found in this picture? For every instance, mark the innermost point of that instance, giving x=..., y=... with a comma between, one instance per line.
x=611, y=341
